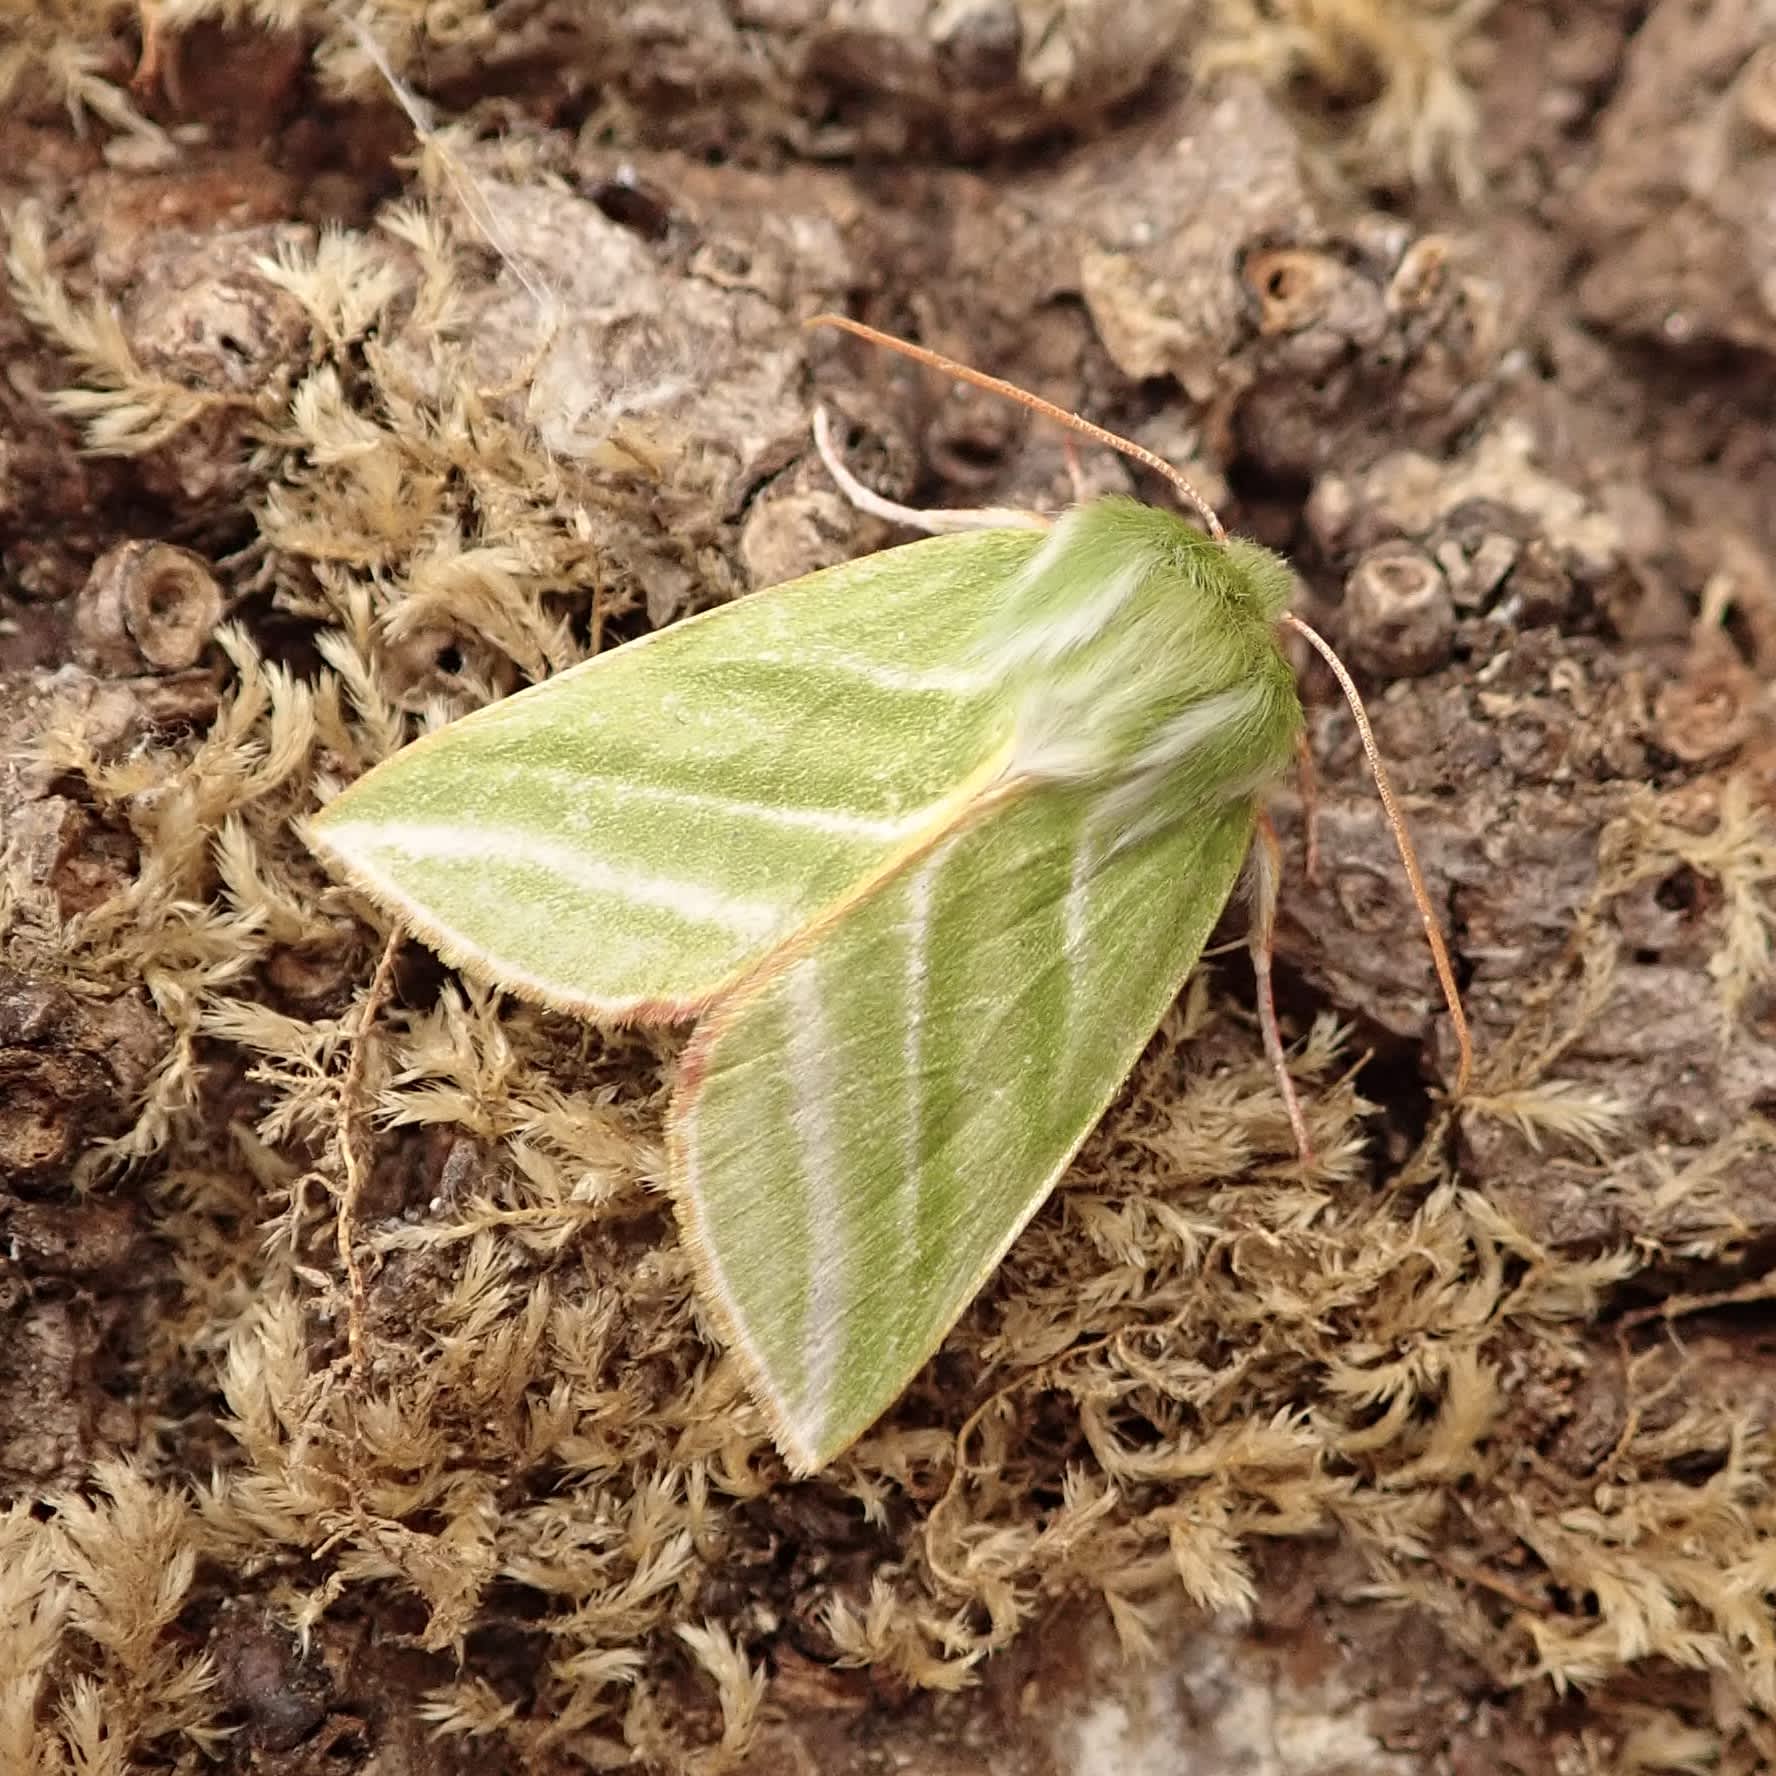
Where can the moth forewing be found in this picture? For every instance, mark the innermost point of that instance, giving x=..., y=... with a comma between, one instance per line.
x=627, y=839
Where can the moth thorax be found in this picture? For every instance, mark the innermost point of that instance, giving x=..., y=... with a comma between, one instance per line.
x=1136, y=648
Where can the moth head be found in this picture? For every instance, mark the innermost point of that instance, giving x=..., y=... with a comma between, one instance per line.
x=1264, y=577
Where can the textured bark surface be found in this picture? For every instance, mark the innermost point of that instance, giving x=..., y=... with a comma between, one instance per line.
x=1454, y=1454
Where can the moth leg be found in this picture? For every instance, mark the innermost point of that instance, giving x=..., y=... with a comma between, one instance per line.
x=941, y=522
x=154, y=65
x=1267, y=858
x=1310, y=806
x=1075, y=470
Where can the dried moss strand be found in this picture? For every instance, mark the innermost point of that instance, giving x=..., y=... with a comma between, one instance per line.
x=1048, y=409
x=351, y=1150
x=1403, y=839
x=468, y=189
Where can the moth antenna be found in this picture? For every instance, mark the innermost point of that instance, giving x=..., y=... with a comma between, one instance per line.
x=997, y=386
x=941, y=521
x=1403, y=839
x=1267, y=861
x=1075, y=469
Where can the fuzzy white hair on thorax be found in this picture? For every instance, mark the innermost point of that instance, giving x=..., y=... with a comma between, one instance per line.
x=1136, y=808
x=1041, y=621
x=1192, y=725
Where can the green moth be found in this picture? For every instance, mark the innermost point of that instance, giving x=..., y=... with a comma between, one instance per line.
x=927, y=842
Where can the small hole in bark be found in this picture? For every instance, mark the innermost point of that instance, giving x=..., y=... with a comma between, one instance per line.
x=1343, y=94
x=349, y=1748
x=1568, y=1602
x=975, y=454
x=70, y=786
x=1681, y=892
x=631, y=206
x=419, y=977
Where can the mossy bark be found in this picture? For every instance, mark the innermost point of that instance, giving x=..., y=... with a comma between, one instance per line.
x=310, y=438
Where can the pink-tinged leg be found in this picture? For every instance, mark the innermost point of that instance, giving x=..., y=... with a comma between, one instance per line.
x=1267, y=858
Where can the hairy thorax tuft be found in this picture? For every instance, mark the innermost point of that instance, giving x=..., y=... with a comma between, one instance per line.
x=1144, y=658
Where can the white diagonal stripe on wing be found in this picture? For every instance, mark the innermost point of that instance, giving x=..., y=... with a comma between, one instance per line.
x=439, y=842
x=949, y=680
x=836, y=821
x=1076, y=923
x=918, y=930
x=1085, y=856
x=812, y=1086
